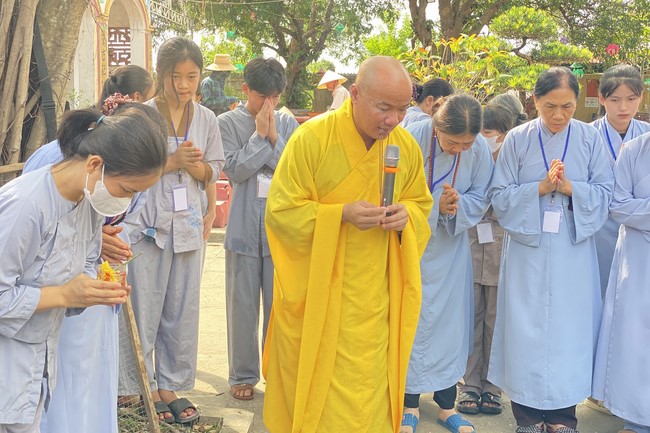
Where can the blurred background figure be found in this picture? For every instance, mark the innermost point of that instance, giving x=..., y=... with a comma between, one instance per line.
x=333, y=82
x=213, y=93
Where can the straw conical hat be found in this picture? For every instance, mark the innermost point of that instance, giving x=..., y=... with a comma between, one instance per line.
x=329, y=77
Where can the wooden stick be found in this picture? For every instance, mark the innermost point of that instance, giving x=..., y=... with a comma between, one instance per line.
x=134, y=337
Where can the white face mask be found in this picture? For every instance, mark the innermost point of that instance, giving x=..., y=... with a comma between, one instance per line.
x=492, y=142
x=103, y=202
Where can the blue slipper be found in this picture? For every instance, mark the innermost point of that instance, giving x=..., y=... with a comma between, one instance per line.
x=410, y=420
x=454, y=422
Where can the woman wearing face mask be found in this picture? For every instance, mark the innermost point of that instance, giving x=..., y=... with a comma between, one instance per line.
x=620, y=93
x=80, y=356
x=477, y=394
x=458, y=165
x=551, y=188
x=428, y=97
x=170, y=234
x=51, y=238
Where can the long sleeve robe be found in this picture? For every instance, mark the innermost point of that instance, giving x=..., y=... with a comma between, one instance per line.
x=46, y=241
x=346, y=301
x=445, y=329
x=548, y=306
x=606, y=237
x=621, y=375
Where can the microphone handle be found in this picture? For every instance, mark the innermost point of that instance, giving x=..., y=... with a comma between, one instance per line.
x=389, y=189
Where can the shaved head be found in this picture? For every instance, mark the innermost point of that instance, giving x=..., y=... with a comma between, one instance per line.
x=380, y=96
x=375, y=71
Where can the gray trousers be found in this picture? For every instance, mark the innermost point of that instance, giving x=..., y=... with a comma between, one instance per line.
x=485, y=314
x=246, y=278
x=166, y=295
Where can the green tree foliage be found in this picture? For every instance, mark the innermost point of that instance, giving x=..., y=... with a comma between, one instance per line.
x=536, y=33
x=391, y=41
x=296, y=30
x=241, y=51
x=473, y=67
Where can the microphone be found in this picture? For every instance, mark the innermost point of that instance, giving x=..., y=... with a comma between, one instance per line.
x=391, y=158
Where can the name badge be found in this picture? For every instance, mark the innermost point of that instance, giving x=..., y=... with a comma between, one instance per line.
x=484, y=231
x=552, y=217
x=263, y=184
x=180, y=198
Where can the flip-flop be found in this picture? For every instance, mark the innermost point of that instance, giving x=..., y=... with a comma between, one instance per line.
x=241, y=388
x=455, y=422
x=178, y=406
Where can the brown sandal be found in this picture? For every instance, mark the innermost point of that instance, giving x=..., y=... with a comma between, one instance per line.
x=239, y=391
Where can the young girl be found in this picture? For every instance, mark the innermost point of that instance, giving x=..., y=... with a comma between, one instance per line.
x=428, y=98
x=458, y=165
x=167, y=277
x=621, y=89
x=501, y=114
x=51, y=239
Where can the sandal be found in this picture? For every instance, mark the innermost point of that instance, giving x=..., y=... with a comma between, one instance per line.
x=465, y=399
x=239, y=391
x=535, y=428
x=455, y=422
x=490, y=404
x=409, y=420
x=161, y=409
x=562, y=429
x=180, y=405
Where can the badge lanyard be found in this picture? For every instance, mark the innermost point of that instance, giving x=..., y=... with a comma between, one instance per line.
x=609, y=141
x=187, y=130
x=432, y=156
x=541, y=146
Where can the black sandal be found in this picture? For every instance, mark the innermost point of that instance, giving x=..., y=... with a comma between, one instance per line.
x=490, y=404
x=468, y=397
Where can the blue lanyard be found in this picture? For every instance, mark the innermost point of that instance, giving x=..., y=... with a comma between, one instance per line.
x=609, y=141
x=187, y=125
x=187, y=131
x=432, y=156
x=541, y=146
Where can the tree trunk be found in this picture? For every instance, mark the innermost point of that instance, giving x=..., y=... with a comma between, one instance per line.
x=59, y=22
x=418, y=9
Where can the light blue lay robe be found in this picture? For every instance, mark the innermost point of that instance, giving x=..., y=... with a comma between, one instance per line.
x=606, y=237
x=622, y=369
x=444, y=334
x=548, y=302
x=83, y=400
x=414, y=114
x=46, y=240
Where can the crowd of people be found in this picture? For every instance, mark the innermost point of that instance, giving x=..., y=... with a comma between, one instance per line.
x=509, y=256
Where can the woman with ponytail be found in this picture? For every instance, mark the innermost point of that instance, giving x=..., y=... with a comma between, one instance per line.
x=428, y=97
x=51, y=239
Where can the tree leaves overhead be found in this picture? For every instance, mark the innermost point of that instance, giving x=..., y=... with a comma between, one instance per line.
x=524, y=22
x=297, y=30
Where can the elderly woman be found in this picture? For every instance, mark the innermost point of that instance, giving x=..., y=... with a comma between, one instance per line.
x=459, y=166
x=551, y=190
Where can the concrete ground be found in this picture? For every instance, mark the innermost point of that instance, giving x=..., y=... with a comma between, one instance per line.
x=212, y=391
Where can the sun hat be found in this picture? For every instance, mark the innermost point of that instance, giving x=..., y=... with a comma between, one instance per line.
x=222, y=62
x=329, y=77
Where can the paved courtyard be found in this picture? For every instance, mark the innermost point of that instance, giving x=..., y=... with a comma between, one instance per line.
x=212, y=390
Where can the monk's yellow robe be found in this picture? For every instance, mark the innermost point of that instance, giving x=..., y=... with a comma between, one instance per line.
x=346, y=301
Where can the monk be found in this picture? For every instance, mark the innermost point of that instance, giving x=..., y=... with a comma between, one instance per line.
x=347, y=287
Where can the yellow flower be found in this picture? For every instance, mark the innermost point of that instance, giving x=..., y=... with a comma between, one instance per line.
x=106, y=273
